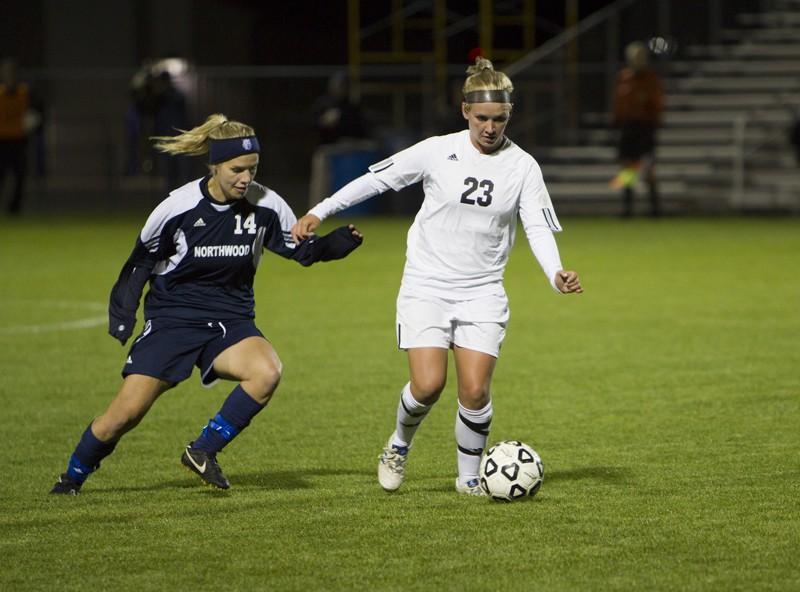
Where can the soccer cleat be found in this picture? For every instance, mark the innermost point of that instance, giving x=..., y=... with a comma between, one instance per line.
x=471, y=487
x=205, y=465
x=392, y=466
x=66, y=486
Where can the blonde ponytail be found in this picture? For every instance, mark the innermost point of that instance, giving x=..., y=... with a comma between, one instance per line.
x=196, y=140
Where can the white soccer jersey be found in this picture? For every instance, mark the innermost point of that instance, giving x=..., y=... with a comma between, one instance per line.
x=459, y=243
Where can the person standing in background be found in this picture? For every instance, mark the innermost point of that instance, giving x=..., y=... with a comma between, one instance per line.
x=341, y=130
x=170, y=115
x=638, y=105
x=18, y=120
x=794, y=137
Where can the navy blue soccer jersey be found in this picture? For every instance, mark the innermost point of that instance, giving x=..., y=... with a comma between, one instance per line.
x=200, y=255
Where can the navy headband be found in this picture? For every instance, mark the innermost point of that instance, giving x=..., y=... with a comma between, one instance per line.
x=222, y=150
x=488, y=96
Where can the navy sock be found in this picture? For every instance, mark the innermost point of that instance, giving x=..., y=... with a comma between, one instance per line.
x=87, y=456
x=235, y=415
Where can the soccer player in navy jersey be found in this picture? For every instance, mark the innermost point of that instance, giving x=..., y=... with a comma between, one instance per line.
x=477, y=183
x=199, y=251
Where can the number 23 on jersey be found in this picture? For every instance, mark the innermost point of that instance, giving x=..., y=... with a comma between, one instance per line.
x=483, y=189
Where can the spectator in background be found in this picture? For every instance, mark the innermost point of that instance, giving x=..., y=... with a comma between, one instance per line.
x=336, y=115
x=638, y=104
x=449, y=115
x=341, y=129
x=794, y=137
x=136, y=120
x=18, y=120
x=158, y=108
x=169, y=116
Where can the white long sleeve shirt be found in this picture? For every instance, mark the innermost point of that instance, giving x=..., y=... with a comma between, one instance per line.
x=459, y=243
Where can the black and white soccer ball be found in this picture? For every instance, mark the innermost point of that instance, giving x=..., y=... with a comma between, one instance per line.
x=511, y=470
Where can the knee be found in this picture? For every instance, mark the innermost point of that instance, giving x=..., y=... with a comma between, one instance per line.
x=427, y=389
x=263, y=380
x=113, y=424
x=473, y=396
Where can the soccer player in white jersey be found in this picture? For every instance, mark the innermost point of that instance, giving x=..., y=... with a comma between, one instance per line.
x=199, y=251
x=476, y=182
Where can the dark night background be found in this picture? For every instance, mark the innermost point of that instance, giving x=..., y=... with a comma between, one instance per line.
x=216, y=32
x=266, y=63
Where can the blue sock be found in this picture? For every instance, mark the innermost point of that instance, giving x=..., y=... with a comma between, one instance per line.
x=87, y=456
x=235, y=415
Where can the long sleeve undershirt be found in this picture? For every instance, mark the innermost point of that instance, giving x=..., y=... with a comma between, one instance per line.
x=543, y=245
x=356, y=191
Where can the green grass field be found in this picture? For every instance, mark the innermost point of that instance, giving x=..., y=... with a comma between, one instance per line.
x=665, y=402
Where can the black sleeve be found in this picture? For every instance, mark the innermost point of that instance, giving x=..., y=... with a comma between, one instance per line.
x=334, y=245
x=127, y=292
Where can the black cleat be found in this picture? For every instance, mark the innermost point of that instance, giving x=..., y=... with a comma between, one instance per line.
x=66, y=486
x=205, y=465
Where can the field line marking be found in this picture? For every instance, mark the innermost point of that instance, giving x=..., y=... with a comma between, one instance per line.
x=72, y=304
x=53, y=327
x=83, y=323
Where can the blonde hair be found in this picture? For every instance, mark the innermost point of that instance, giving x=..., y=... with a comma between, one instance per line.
x=482, y=76
x=197, y=140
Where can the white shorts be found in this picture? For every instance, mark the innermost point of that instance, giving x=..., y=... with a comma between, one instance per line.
x=429, y=321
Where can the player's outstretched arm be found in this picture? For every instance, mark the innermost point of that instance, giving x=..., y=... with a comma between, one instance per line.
x=568, y=282
x=305, y=227
x=335, y=245
x=362, y=188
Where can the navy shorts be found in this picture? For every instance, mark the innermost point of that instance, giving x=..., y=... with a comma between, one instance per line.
x=169, y=348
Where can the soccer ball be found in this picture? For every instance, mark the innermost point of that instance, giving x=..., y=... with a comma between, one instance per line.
x=511, y=470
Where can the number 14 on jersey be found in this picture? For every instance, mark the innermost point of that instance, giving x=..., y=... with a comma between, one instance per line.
x=249, y=224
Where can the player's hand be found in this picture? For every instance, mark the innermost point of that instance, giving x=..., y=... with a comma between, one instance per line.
x=121, y=329
x=356, y=234
x=305, y=227
x=568, y=282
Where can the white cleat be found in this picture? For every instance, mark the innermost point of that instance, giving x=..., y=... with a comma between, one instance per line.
x=471, y=487
x=392, y=466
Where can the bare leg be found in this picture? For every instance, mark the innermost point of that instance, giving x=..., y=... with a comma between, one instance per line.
x=137, y=395
x=427, y=367
x=255, y=364
x=474, y=370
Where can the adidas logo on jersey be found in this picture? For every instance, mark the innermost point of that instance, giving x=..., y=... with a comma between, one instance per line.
x=129, y=361
x=199, y=223
x=452, y=157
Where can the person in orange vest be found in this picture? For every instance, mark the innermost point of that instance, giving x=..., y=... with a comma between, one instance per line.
x=638, y=105
x=17, y=120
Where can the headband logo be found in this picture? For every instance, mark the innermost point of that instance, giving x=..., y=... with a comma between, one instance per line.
x=222, y=150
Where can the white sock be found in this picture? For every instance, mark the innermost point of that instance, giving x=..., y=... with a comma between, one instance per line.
x=472, y=431
x=410, y=414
